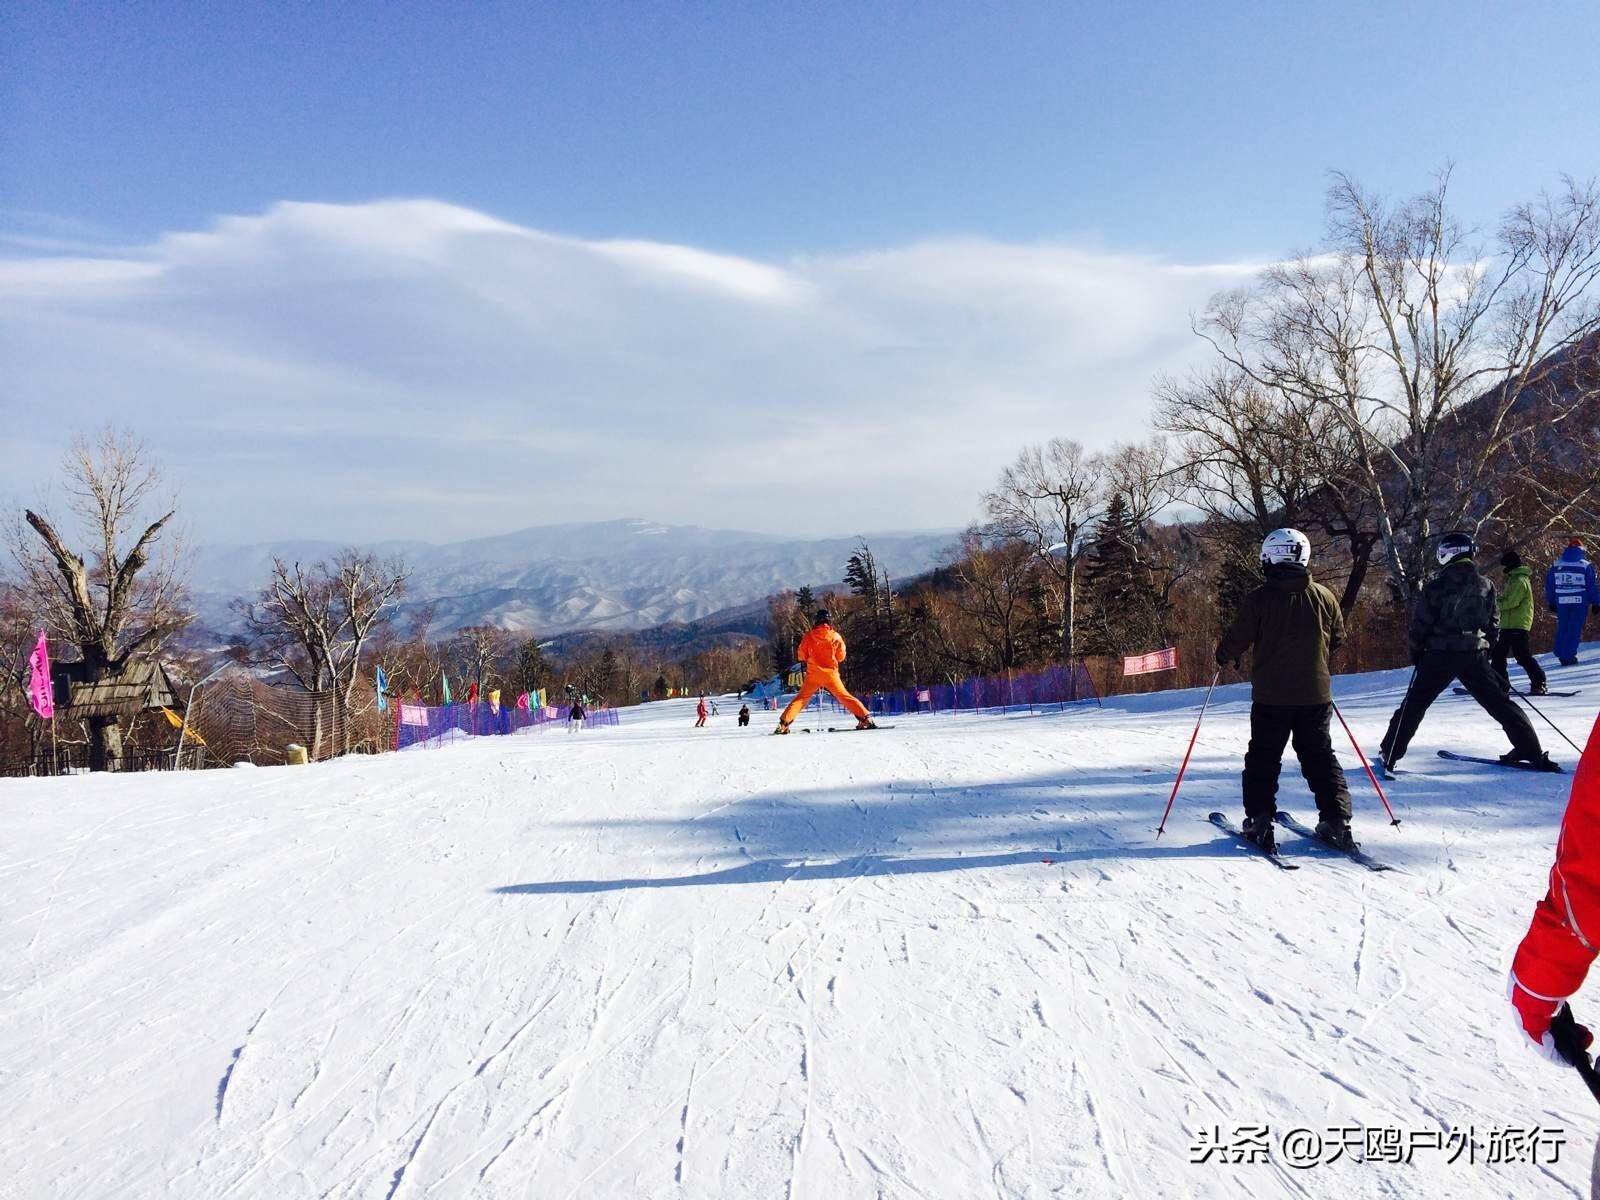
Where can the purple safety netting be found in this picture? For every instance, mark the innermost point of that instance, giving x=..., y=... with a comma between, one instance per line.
x=417, y=724
x=1059, y=686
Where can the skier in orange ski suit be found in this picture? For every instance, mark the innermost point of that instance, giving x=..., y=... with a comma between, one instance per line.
x=822, y=650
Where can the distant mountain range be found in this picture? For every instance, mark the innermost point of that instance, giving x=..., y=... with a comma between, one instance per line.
x=552, y=579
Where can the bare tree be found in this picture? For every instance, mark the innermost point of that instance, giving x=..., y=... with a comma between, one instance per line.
x=1422, y=342
x=1253, y=458
x=479, y=649
x=998, y=580
x=1050, y=499
x=315, y=621
x=117, y=603
x=1242, y=456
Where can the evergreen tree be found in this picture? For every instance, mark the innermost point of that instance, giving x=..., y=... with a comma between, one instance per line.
x=875, y=634
x=1128, y=614
x=603, y=679
x=532, y=670
x=1238, y=574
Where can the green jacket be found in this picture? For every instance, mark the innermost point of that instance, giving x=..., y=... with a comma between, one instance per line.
x=1293, y=623
x=1516, y=602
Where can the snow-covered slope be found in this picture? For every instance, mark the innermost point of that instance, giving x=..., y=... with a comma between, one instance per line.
x=945, y=960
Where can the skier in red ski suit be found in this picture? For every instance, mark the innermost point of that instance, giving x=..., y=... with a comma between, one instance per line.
x=1561, y=943
x=700, y=713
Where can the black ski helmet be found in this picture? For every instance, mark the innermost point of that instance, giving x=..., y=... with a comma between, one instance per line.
x=823, y=617
x=1454, y=546
x=1510, y=560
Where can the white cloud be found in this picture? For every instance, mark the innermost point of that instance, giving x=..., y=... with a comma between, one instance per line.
x=302, y=370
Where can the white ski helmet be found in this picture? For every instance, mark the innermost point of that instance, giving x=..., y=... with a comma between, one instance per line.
x=1453, y=546
x=1286, y=547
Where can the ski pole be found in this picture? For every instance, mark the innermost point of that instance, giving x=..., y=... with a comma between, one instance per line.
x=1393, y=820
x=1524, y=698
x=1564, y=1033
x=1400, y=719
x=1176, y=783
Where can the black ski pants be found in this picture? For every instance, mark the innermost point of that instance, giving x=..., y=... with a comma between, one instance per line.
x=1272, y=727
x=1514, y=643
x=1435, y=673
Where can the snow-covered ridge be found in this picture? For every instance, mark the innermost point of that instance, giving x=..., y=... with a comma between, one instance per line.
x=615, y=575
x=949, y=959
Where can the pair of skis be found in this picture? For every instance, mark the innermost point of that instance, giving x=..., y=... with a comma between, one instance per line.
x=1543, y=768
x=1289, y=822
x=1461, y=691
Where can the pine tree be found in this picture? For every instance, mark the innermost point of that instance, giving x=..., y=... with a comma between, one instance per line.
x=1238, y=574
x=532, y=670
x=875, y=634
x=604, y=678
x=1128, y=615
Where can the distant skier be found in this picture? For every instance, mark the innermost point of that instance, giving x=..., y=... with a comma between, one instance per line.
x=1292, y=623
x=575, y=715
x=1555, y=954
x=700, y=713
x=744, y=715
x=1516, y=620
x=822, y=650
x=1452, y=627
x=1570, y=590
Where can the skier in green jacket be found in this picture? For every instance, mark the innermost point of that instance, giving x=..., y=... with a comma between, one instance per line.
x=1516, y=620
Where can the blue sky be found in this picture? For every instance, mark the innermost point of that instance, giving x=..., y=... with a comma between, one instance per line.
x=858, y=150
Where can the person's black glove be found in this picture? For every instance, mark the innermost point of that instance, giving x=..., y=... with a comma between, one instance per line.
x=1416, y=657
x=1569, y=1039
x=1222, y=659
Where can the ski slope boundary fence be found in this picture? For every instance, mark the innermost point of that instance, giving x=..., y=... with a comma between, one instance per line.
x=430, y=725
x=1058, y=686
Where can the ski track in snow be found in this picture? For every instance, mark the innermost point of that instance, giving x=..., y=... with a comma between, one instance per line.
x=949, y=960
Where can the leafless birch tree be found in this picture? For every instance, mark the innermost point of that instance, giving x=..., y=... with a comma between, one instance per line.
x=1422, y=342
x=315, y=621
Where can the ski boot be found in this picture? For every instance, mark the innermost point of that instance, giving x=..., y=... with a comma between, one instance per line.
x=1259, y=830
x=1519, y=758
x=1539, y=689
x=783, y=727
x=1337, y=834
x=866, y=723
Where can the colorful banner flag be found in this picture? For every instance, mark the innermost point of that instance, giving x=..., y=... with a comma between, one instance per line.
x=494, y=701
x=414, y=714
x=381, y=682
x=523, y=703
x=472, y=692
x=444, y=686
x=1144, y=664
x=40, y=694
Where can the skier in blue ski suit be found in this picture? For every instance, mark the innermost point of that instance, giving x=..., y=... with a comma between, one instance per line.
x=1570, y=589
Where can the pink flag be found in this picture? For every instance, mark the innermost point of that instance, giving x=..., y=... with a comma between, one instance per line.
x=1144, y=664
x=522, y=702
x=40, y=695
